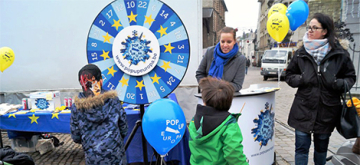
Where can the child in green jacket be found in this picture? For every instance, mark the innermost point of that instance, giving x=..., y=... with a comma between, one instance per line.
x=215, y=136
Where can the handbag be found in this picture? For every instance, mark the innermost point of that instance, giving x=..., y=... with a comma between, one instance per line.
x=349, y=125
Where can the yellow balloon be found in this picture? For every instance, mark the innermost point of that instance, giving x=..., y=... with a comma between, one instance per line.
x=278, y=26
x=277, y=8
x=7, y=57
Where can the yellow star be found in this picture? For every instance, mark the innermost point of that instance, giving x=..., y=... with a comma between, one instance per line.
x=105, y=55
x=116, y=24
x=124, y=81
x=13, y=115
x=166, y=65
x=33, y=119
x=168, y=48
x=55, y=115
x=107, y=37
x=132, y=17
x=140, y=84
x=155, y=79
x=162, y=31
x=111, y=71
x=149, y=20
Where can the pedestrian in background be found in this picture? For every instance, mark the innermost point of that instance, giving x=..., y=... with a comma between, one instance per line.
x=319, y=69
x=224, y=61
x=247, y=64
x=98, y=120
x=215, y=136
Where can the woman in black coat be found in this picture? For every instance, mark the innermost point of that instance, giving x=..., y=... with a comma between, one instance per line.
x=319, y=70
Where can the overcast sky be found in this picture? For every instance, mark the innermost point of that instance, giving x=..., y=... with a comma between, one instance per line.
x=242, y=14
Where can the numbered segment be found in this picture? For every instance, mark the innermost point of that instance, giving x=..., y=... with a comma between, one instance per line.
x=141, y=47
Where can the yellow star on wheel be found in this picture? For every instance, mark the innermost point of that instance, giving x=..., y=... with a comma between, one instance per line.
x=124, y=81
x=140, y=84
x=111, y=71
x=13, y=115
x=33, y=119
x=55, y=115
x=168, y=48
x=116, y=24
x=162, y=31
x=105, y=55
x=149, y=20
x=166, y=65
x=155, y=79
x=107, y=37
x=132, y=17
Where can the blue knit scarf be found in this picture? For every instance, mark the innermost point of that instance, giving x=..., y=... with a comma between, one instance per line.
x=220, y=59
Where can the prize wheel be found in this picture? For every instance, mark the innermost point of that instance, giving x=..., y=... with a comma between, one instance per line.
x=141, y=47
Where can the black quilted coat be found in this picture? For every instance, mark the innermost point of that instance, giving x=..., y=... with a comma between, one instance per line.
x=317, y=106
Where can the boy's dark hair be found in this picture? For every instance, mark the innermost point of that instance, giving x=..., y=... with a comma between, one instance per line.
x=327, y=24
x=216, y=93
x=92, y=70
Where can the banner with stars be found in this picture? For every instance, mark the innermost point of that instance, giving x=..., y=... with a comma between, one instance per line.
x=141, y=47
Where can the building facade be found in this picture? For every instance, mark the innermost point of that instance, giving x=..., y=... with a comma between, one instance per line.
x=213, y=21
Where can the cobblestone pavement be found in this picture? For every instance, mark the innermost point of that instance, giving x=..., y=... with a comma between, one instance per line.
x=71, y=153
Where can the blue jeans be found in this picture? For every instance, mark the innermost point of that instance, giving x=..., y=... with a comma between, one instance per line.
x=246, y=69
x=302, y=146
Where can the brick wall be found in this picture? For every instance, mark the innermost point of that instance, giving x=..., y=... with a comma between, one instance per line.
x=328, y=7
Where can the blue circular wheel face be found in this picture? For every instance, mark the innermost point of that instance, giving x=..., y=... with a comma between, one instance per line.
x=141, y=47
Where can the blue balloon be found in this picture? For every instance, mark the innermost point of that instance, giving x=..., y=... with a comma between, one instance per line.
x=297, y=13
x=163, y=125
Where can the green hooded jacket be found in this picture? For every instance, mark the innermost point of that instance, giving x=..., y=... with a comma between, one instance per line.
x=215, y=138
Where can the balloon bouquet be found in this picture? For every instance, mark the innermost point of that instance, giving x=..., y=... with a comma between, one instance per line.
x=164, y=125
x=7, y=57
x=281, y=18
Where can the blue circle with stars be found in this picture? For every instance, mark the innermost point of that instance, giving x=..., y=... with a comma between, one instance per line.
x=42, y=103
x=140, y=66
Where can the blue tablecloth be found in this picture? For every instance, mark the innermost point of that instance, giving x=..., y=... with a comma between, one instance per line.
x=48, y=122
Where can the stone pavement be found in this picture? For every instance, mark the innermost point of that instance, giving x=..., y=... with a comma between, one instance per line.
x=71, y=153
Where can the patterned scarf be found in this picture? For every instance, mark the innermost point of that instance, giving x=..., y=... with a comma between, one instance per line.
x=220, y=59
x=318, y=49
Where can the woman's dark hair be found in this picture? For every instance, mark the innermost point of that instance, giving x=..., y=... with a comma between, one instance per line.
x=228, y=30
x=216, y=93
x=328, y=24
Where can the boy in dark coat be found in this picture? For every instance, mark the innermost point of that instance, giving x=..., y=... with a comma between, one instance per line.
x=98, y=121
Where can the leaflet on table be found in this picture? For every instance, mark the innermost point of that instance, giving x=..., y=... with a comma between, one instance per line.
x=44, y=111
x=6, y=108
x=65, y=111
x=21, y=112
x=258, y=90
x=133, y=106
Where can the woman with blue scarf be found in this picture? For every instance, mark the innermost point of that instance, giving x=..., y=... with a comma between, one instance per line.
x=224, y=61
x=319, y=69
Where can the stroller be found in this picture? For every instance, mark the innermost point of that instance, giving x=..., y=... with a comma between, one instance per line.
x=344, y=155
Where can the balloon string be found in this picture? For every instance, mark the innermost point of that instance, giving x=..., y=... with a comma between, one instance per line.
x=279, y=70
x=162, y=159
